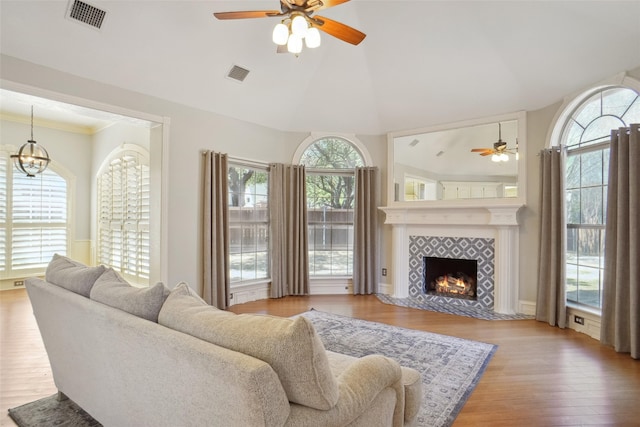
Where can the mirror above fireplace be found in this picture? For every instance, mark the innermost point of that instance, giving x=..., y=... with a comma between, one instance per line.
x=437, y=163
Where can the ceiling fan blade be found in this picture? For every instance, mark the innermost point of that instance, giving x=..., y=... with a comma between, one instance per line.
x=247, y=14
x=316, y=5
x=338, y=29
x=479, y=150
x=488, y=153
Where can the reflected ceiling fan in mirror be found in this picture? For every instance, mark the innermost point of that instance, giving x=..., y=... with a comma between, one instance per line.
x=300, y=24
x=500, y=152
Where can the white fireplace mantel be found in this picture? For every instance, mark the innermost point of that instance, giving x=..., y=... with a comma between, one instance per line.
x=495, y=219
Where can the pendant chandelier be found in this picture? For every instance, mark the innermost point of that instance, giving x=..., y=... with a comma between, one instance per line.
x=31, y=157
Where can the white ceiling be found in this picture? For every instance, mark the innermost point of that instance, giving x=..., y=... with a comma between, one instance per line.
x=422, y=62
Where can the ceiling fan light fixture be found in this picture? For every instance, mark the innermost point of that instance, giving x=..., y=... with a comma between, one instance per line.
x=299, y=26
x=280, y=34
x=312, y=40
x=495, y=158
x=504, y=157
x=294, y=44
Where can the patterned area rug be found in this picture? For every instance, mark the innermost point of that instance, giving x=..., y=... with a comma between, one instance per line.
x=50, y=412
x=451, y=367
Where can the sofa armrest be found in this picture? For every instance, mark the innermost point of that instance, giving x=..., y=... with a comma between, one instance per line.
x=361, y=387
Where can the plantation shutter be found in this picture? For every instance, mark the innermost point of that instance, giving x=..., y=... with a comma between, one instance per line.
x=39, y=219
x=124, y=216
x=4, y=159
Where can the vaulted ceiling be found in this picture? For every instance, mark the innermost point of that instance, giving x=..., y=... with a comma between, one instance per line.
x=422, y=62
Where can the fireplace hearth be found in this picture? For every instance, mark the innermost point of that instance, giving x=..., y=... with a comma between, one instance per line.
x=450, y=277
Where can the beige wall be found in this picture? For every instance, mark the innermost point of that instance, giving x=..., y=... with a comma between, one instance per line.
x=192, y=131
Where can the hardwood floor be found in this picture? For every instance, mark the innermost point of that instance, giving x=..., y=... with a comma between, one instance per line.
x=540, y=376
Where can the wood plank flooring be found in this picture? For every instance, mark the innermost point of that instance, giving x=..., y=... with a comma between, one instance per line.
x=540, y=376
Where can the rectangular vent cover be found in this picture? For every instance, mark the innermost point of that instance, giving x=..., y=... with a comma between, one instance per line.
x=87, y=14
x=238, y=73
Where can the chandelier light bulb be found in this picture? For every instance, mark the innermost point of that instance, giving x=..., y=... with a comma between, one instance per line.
x=312, y=39
x=294, y=45
x=299, y=26
x=280, y=34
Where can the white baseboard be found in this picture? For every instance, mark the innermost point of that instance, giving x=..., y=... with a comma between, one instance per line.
x=249, y=292
x=385, y=288
x=331, y=286
x=592, y=322
x=527, y=307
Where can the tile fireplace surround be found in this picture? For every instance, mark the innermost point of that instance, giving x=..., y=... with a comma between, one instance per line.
x=466, y=229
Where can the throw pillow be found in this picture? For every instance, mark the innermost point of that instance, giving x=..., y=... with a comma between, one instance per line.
x=111, y=289
x=291, y=346
x=72, y=275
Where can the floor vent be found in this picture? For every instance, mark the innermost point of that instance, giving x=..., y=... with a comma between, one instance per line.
x=238, y=73
x=87, y=14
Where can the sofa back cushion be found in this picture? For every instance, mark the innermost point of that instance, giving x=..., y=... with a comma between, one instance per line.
x=111, y=289
x=291, y=346
x=72, y=275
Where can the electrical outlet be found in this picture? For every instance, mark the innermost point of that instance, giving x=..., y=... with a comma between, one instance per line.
x=384, y=271
x=579, y=320
x=18, y=283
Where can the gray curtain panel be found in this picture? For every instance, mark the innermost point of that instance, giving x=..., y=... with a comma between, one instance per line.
x=365, y=237
x=288, y=231
x=620, y=326
x=551, y=301
x=215, y=230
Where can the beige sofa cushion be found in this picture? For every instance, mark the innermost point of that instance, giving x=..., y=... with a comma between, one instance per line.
x=111, y=289
x=72, y=275
x=291, y=346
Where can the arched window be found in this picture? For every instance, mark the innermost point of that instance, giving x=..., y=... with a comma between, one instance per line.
x=34, y=220
x=586, y=134
x=330, y=164
x=123, y=214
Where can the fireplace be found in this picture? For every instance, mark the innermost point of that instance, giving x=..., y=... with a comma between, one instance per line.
x=450, y=277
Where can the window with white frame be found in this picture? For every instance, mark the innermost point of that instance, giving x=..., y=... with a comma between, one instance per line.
x=330, y=164
x=33, y=219
x=586, y=135
x=123, y=214
x=248, y=223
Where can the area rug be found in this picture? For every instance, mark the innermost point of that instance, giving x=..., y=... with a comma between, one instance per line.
x=450, y=367
x=49, y=412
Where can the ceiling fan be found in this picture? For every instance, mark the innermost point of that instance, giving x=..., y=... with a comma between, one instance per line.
x=500, y=151
x=299, y=22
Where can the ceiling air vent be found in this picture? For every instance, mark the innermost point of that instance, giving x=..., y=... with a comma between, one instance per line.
x=238, y=73
x=85, y=13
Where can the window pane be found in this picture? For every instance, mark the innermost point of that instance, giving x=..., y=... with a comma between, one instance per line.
x=633, y=114
x=572, y=134
x=591, y=205
x=572, y=174
x=615, y=102
x=589, y=247
x=589, y=286
x=573, y=207
x=591, y=172
x=600, y=129
x=332, y=153
x=248, y=223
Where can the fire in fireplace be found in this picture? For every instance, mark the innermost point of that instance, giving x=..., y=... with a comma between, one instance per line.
x=451, y=277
